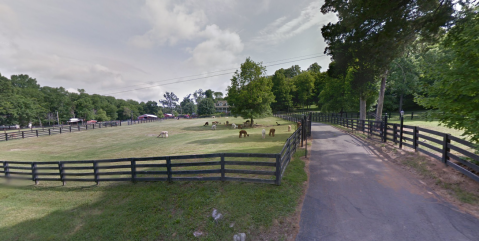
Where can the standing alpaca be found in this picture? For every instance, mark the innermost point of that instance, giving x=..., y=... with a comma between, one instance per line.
x=244, y=133
x=298, y=124
x=289, y=128
x=263, y=133
x=234, y=126
x=271, y=131
x=206, y=123
x=213, y=127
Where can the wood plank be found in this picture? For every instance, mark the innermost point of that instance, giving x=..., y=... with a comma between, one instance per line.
x=463, y=171
x=464, y=152
x=250, y=155
x=429, y=154
x=461, y=141
x=250, y=172
x=119, y=179
x=77, y=168
x=430, y=147
x=431, y=131
x=430, y=139
x=194, y=164
x=196, y=179
x=465, y=162
x=114, y=167
x=246, y=163
x=196, y=172
x=195, y=156
x=78, y=174
x=150, y=165
x=114, y=173
x=151, y=179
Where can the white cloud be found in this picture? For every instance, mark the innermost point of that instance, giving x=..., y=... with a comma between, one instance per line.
x=170, y=24
x=221, y=48
x=281, y=30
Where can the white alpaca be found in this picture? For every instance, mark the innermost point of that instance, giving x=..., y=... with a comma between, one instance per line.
x=234, y=126
x=213, y=127
x=289, y=128
x=263, y=133
x=163, y=134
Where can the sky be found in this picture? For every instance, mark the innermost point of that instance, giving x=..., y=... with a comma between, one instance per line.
x=139, y=49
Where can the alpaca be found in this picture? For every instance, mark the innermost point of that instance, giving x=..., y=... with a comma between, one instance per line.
x=263, y=133
x=213, y=127
x=277, y=123
x=227, y=123
x=289, y=128
x=163, y=134
x=206, y=123
x=298, y=124
x=271, y=131
x=234, y=126
x=244, y=133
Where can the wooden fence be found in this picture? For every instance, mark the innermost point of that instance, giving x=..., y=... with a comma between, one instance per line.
x=452, y=151
x=48, y=131
x=222, y=167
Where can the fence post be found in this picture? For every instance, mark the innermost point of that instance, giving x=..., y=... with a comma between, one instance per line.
x=412, y=115
x=78, y=127
x=278, y=169
x=401, y=131
x=168, y=168
x=95, y=171
x=34, y=172
x=395, y=136
x=70, y=128
x=133, y=170
x=445, y=148
x=49, y=132
x=62, y=176
x=61, y=129
x=415, y=138
x=36, y=131
x=6, y=171
x=222, y=167
x=385, y=129
x=23, y=135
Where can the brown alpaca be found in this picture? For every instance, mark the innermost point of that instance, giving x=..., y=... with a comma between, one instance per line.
x=227, y=122
x=299, y=124
x=271, y=131
x=289, y=128
x=206, y=123
x=240, y=127
x=244, y=133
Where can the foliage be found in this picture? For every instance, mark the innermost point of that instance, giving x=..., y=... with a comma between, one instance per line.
x=175, y=113
x=160, y=114
x=170, y=101
x=281, y=90
x=455, y=91
x=250, y=93
x=304, y=83
x=189, y=108
x=101, y=115
x=206, y=107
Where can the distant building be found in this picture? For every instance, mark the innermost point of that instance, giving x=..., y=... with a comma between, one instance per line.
x=222, y=106
x=147, y=117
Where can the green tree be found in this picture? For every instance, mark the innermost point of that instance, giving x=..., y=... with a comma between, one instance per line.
x=250, y=93
x=160, y=114
x=175, y=113
x=101, y=115
x=304, y=83
x=218, y=95
x=455, y=92
x=206, y=107
x=281, y=90
x=189, y=108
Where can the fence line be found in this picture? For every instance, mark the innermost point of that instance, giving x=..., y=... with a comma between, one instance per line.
x=452, y=151
x=37, y=132
x=163, y=168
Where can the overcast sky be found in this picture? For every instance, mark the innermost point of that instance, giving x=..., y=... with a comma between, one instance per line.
x=107, y=47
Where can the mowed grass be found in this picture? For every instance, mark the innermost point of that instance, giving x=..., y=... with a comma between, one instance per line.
x=146, y=210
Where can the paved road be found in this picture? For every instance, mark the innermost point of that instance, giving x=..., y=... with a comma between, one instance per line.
x=353, y=195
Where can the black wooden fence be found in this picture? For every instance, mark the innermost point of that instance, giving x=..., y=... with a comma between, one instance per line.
x=48, y=131
x=452, y=151
x=164, y=168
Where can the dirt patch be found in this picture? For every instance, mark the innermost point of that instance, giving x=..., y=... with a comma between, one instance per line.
x=447, y=183
x=288, y=227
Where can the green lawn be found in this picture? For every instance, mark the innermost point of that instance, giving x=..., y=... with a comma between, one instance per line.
x=146, y=210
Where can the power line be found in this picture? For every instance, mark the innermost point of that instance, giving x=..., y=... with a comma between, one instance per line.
x=182, y=81
x=211, y=72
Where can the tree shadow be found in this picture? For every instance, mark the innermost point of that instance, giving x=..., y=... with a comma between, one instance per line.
x=282, y=137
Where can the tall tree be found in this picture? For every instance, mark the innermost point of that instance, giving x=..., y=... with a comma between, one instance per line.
x=206, y=107
x=371, y=34
x=304, y=83
x=455, y=92
x=218, y=95
x=281, y=90
x=250, y=93
x=170, y=101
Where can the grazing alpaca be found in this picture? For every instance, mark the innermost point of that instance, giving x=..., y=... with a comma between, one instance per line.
x=163, y=134
x=289, y=128
x=213, y=116
x=277, y=123
x=206, y=123
x=234, y=126
x=213, y=127
x=263, y=133
x=244, y=133
x=271, y=131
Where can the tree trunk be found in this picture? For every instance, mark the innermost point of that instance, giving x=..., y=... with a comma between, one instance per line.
x=362, y=107
x=400, y=103
x=379, y=110
x=251, y=122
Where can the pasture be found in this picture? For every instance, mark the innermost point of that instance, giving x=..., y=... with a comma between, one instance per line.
x=147, y=210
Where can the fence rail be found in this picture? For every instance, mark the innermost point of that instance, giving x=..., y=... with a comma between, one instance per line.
x=48, y=131
x=163, y=168
x=452, y=151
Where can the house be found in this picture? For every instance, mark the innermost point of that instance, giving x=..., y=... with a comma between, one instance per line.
x=222, y=106
x=147, y=117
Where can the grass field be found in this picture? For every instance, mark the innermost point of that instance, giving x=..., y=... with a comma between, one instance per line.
x=148, y=210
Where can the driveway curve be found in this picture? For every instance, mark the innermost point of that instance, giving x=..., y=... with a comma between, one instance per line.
x=354, y=195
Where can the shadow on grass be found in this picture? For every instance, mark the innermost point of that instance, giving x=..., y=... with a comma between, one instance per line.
x=235, y=139
x=147, y=210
